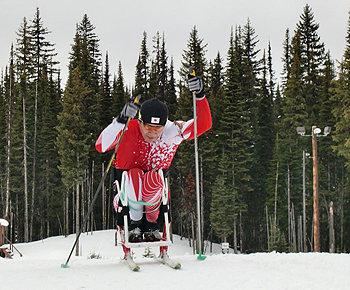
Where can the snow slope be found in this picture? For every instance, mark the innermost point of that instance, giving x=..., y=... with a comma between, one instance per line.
x=40, y=268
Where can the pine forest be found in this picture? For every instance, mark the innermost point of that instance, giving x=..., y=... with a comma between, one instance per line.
x=261, y=183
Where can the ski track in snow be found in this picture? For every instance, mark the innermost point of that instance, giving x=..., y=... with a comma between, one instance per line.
x=40, y=268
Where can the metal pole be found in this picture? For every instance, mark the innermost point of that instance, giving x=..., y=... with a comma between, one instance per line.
x=136, y=101
x=197, y=175
x=316, y=226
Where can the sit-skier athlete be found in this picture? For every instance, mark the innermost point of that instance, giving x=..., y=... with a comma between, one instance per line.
x=148, y=145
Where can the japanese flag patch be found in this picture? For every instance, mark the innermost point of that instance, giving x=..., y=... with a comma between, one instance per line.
x=155, y=120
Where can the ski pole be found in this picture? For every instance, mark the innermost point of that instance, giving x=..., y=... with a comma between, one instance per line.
x=136, y=101
x=200, y=257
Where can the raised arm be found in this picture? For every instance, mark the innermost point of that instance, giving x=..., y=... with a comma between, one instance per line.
x=204, y=121
x=109, y=136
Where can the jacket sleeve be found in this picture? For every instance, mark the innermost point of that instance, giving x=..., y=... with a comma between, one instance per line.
x=109, y=136
x=204, y=121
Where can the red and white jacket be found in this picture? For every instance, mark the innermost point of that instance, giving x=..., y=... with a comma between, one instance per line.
x=135, y=152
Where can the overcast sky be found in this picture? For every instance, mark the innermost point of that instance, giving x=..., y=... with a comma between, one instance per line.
x=120, y=25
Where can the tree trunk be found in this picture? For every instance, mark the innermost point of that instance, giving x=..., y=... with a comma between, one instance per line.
x=103, y=200
x=276, y=191
x=293, y=230
x=92, y=190
x=240, y=232
x=34, y=160
x=342, y=211
x=8, y=150
x=109, y=205
x=267, y=229
x=331, y=229
x=300, y=235
x=25, y=171
x=88, y=192
x=77, y=210
x=66, y=211
x=193, y=235
x=73, y=209
x=83, y=199
x=288, y=202
x=235, y=235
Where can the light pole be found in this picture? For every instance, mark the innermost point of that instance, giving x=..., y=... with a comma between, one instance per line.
x=315, y=132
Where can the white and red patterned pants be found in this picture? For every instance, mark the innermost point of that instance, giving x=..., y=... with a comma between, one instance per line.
x=142, y=187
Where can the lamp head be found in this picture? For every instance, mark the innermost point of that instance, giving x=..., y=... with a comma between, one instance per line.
x=317, y=131
x=301, y=131
x=327, y=130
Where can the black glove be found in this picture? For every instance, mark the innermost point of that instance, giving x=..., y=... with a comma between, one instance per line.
x=129, y=111
x=195, y=84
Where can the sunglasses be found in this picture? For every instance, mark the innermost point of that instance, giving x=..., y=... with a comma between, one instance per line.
x=149, y=127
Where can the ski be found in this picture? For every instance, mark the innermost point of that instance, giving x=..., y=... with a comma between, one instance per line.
x=165, y=259
x=131, y=263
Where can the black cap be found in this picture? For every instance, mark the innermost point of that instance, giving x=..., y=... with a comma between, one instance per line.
x=153, y=112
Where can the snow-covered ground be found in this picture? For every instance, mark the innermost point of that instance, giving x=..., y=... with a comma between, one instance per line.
x=40, y=268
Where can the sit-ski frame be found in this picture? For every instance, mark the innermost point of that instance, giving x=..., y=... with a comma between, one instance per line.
x=124, y=234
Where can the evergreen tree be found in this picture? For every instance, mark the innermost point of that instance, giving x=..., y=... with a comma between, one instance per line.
x=170, y=94
x=143, y=71
x=275, y=175
x=72, y=142
x=251, y=67
x=9, y=99
x=340, y=97
x=49, y=200
x=294, y=115
x=164, y=74
x=286, y=58
x=342, y=111
x=301, y=107
x=264, y=139
x=194, y=56
x=43, y=64
x=154, y=78
x=86, y=57
x=223, y=209
x=215, y=89
x=43, y=50
x=159, y=69
x=106, y=100
x=85, y=64
x=235, y=131
x=16, y=166
x=153, y=81
x=119, y=96
x=312, y=58
x=2, y=144
x=24, y=69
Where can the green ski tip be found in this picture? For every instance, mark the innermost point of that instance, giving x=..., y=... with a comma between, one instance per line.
x=64, y=265
x=200, y=257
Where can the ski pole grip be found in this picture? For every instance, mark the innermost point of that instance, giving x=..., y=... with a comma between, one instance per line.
x=137, y=99
x=192, y=72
